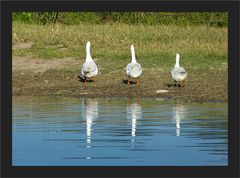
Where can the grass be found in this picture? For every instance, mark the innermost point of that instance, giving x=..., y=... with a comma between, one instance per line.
x=216, y=19
x=156, y=46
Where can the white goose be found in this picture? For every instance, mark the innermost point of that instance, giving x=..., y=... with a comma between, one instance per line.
x=89, y=68
x=179, y=74
x=134, y=69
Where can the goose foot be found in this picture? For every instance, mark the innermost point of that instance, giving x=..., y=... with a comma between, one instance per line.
x=182, y=84
x=179, y=84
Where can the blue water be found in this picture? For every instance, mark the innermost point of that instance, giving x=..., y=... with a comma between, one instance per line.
x=117, y=132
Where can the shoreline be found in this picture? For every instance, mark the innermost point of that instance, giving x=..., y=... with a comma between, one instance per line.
x=167, y=99
x=38, y=77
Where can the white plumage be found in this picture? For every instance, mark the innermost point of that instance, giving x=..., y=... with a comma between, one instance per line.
x=134, y=69
x=89, y=68
x=179, y=74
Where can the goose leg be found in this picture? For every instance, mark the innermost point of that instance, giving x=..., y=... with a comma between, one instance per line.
x=94, y=80
x=138, y=81
x=182, y=83
x=85, y=79
x=128, y=80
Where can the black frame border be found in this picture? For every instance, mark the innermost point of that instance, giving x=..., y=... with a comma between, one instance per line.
x=232, y=170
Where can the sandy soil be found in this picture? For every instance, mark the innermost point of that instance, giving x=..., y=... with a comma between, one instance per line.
x=59, y=77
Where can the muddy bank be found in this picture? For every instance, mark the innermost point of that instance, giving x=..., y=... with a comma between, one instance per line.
x=41, y=78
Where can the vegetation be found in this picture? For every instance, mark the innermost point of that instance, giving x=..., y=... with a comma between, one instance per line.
x=199, y=46
x=217, y=19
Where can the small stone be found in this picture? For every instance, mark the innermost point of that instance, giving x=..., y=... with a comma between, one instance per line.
x=162, y=91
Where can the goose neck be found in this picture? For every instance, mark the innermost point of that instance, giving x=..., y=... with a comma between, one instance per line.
x=177, y=60
x=133, y=55
x=88, y=54
x=88, y=57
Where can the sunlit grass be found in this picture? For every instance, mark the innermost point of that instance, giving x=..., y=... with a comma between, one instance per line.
x=156, y=46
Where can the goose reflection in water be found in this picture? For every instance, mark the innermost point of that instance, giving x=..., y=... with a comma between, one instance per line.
x=179, y=114
x=134, y=113
x=90, y=114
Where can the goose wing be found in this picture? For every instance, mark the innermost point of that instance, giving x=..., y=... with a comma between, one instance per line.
x=134, y=70
x=178, y=73
x=89, y=69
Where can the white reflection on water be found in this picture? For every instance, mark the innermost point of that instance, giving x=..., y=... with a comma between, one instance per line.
x=90, y=114
x=111, y=133
x=179, y=113
x=134, y=113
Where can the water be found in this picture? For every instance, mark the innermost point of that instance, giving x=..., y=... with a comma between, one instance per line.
x=117, y=132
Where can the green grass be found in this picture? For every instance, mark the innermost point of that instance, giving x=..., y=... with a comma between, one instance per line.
x=216, y=19
x=156, y=46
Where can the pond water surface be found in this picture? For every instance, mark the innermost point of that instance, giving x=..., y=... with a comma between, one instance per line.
x=118, y=132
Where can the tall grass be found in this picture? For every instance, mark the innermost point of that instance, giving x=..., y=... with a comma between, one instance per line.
x=156, y=46
x=217, y=19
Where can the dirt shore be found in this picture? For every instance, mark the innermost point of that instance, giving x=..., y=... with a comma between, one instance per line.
x=59, y=77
